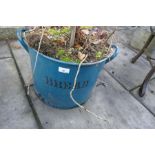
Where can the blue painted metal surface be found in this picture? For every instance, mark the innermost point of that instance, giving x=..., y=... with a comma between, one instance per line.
x=53, y=79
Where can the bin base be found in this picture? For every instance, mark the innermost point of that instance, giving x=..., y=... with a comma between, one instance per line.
x=54, y=106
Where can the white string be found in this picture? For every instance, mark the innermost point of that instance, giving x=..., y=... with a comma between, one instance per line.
x=71, y=94
x=43, y=30
x=29, y=30
x=36, y=59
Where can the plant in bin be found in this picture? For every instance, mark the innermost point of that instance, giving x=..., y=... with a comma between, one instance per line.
x=72, y=44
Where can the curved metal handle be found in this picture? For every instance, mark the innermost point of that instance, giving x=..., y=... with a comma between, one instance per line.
x=115, y=53
x=21, y=39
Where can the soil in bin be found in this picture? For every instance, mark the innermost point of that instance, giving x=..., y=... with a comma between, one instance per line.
x=91, y=41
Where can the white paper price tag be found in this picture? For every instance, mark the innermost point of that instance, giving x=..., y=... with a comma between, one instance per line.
x=64, y=70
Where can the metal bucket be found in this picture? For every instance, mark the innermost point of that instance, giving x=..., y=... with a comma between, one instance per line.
x=53, y=79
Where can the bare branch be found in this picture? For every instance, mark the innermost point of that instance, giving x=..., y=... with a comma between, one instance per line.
x=110, y=35
x=72, y=39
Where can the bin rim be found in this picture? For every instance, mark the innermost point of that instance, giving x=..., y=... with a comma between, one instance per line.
x=108, y=58
x=74, y=63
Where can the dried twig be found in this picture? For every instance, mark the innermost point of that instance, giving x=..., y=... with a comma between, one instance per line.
x=110, y=44
x=110, y=36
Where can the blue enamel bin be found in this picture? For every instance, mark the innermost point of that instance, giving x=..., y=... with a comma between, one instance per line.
x=53, y=79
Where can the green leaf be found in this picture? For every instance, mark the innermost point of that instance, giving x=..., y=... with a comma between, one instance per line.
x=65, y=30
x=98, y=54
x=66, y=59
x=57, y=32
x=60, y=53
x=86, y=27
x=53, y=31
